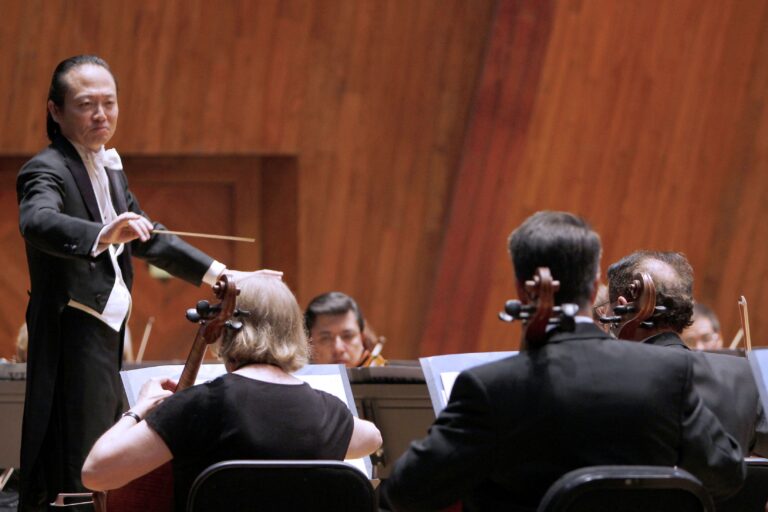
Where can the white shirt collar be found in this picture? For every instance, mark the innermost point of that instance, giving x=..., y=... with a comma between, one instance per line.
x=108, y=158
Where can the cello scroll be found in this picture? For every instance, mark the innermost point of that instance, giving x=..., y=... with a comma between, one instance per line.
x=642, y=306
x=539, y=309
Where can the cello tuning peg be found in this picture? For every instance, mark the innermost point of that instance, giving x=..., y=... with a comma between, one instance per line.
x=513, y=308
x=623, y=310
x=234, y=325
x=659, y=309
x=646, y=325
x=610, y=319
x=192, y=315
x=203, y=306
x=241, y=312
x=206, y=309
x=504, y=317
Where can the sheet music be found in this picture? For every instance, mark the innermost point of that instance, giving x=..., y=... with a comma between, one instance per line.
x=448, y=378
x=440, y=372
x=758, y=361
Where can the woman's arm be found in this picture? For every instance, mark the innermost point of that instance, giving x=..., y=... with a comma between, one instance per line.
x=129, y=449
x=366, y=439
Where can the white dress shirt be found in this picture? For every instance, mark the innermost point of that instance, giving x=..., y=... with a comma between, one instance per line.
x=118, y=305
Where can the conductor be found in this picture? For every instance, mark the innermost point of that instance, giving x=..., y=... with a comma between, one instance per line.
x=81, y=224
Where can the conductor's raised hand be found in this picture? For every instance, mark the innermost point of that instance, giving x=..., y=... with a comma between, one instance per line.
x=127, y=227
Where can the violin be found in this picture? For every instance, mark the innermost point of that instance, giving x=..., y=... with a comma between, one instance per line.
x=154, y=491
x=642, y=307
x=372, y=347
x=539, y=309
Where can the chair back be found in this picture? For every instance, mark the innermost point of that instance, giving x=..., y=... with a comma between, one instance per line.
x=753, y=495
x=258, y=485
x=627, y=489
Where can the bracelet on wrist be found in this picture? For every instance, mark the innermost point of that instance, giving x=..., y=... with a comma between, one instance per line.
x=133, y=415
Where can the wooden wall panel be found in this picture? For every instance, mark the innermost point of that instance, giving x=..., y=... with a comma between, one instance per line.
x=648, y=118
x=369, y=99
x=194, y=76
x=14, y=280
x=385, y=112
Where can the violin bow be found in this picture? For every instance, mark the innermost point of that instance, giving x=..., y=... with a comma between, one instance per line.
x=744, y=316
x=145, y=339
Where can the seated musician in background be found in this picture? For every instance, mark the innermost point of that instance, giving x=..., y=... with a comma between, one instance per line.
x=514, y=426
x=704, y=331
x=258, y=410
x=338, y=332
x=724, y=382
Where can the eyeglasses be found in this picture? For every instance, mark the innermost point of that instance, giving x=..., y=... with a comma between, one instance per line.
x=347, y=337
x=708, y=337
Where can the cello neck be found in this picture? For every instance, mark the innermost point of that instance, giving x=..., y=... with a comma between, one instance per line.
x=192, y=366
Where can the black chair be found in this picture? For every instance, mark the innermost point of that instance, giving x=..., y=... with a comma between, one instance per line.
x=754, y=493
x=627, y=489
x=285, y=485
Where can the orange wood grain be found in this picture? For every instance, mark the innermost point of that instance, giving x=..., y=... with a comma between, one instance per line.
x=371, y=99
x=649, y=120
x=422, y=132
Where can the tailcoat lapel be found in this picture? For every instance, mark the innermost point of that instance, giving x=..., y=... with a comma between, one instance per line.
x=116, y=190
x=77, y=168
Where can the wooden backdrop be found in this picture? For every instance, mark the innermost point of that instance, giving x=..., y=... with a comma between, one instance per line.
x=407, y=139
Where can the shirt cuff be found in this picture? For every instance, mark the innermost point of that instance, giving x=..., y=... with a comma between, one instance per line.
x=213, y=272
x=98, y=247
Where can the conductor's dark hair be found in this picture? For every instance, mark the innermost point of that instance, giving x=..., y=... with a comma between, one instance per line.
x=564, y=243
x=59, y=86
x=332, y=303
x=674, y=288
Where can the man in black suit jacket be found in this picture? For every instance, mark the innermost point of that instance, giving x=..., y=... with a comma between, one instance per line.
x=512, y=427
x=724, y=381
x=81, y=224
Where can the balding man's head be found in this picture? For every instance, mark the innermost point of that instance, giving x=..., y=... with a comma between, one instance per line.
x=671, y=274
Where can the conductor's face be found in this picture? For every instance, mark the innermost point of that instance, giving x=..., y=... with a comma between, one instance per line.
x=89, y=113
x=336, y=339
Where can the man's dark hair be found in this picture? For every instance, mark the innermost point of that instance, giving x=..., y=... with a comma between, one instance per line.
x=567, y=245
x=674, y=288
x=332, y=303
x=59, y=86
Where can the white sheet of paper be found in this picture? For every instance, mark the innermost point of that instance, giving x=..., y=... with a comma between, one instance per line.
x=448, y=378
x=134, y=379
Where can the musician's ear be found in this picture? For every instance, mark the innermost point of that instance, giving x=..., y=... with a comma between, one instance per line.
x=621, y=301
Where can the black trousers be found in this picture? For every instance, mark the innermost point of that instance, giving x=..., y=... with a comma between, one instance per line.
x=86, y=403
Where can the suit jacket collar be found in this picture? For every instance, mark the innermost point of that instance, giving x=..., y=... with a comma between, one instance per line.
x=581, y=331
x=666, y=339
x=116, y=190
x=79, y=173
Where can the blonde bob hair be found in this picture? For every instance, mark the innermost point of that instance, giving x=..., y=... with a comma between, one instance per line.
x=273, y=331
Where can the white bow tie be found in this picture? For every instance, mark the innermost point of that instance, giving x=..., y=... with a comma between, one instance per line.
x=111, y=160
